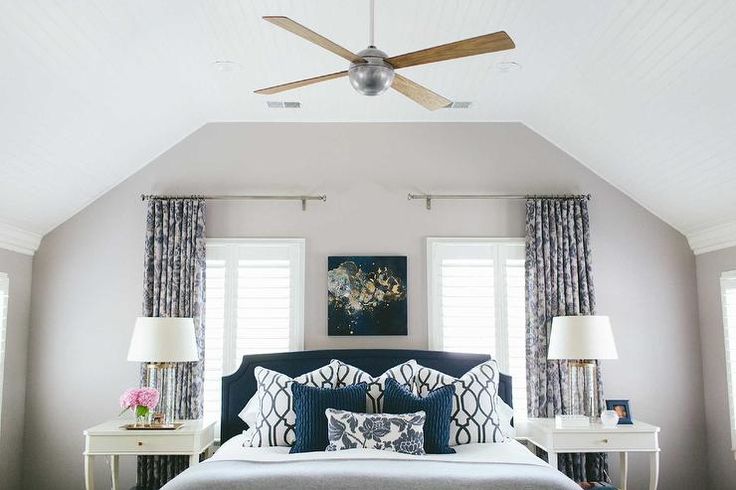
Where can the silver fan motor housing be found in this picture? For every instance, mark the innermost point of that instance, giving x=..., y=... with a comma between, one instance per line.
x=374, y=76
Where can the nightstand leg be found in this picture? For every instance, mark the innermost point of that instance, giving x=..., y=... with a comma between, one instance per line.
x=193, y=459
x=89, y=472
x=624, y=468
x=531, y=447
x=552, y=459
x=114, y=470
x=209, y=452
x=653, y=470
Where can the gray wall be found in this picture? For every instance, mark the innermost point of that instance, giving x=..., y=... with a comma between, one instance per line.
x=18, y=268
x=721, y=463
x=87, y=273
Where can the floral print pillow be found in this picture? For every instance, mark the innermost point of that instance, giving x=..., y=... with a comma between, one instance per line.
x=403, y=433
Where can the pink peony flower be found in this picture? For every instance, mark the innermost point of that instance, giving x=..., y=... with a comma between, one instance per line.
x=148, y=397
x=139, y=397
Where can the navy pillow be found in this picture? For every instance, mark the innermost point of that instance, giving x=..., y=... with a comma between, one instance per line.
x=310, y=404
x=438, y=407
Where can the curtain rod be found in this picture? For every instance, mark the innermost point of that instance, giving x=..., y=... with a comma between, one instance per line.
x=303, y=199
x=430, y=197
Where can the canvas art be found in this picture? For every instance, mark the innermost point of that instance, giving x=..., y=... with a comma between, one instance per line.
x=366, y=295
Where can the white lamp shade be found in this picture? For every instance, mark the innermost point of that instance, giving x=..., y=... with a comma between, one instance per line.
x=163, y=340
x=581, y=337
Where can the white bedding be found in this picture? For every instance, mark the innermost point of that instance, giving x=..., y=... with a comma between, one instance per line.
x=509, y=452
x=496, y=466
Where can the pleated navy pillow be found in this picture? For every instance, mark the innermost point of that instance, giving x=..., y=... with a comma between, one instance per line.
x=438, y=407
x=310, y=404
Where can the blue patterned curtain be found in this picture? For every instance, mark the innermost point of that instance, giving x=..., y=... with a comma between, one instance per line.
x=559, y=282
x=173, y=286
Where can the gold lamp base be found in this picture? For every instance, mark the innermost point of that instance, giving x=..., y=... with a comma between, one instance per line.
x=160, y=375
x=583, y=388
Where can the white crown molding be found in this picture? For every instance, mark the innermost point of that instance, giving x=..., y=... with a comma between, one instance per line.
x=17, y=240
x=713, y=238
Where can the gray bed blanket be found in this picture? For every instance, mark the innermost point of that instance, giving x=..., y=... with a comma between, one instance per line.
x=388, y=475
x=499, y=466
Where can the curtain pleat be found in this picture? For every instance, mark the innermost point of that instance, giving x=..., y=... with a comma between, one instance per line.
x=559, y=282
x=173, y=286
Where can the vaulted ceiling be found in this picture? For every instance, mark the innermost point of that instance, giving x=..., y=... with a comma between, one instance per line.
x=639, y=91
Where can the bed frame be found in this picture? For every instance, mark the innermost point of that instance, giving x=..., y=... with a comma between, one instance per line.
x=240, y=386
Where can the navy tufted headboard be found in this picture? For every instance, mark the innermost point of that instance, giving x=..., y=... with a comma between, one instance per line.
x=240, y=386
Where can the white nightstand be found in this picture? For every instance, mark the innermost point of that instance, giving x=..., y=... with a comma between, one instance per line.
x=623, y=439
x=110, y=439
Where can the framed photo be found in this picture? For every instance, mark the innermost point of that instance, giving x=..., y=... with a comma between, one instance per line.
x=621, y=407
x=366, y=295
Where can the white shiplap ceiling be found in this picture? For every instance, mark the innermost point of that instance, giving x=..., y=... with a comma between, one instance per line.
x=639, y=91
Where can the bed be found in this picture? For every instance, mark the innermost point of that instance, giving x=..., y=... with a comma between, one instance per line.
x=499, y=466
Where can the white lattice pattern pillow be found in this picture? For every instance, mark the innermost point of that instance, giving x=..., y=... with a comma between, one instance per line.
x=475, y=417
x=349, y=375
x=274, y=424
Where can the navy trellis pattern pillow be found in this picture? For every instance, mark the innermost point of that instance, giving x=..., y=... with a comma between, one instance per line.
x=438, y=407
x=474, y=414
x=401, y=433
x=310, y=405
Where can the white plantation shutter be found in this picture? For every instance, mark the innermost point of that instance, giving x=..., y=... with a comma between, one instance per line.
x=264, y=306
x=4, y=289
x=255, y=297
x=467, y=305
x=728, y=295
x=476, y=303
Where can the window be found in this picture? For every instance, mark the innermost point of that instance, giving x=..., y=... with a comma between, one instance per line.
x=3, y=322
x=728, y=295
x=476, y=303
x=254, y=305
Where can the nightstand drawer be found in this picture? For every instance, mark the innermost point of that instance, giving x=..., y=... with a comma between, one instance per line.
x=605, y=441
x=140, y=444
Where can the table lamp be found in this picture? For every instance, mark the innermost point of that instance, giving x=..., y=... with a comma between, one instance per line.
x=582, y=340
x=161, y=342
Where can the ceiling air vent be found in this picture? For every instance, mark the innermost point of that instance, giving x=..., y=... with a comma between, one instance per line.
x=277, y=104
x=226, y=66
x=459, y=105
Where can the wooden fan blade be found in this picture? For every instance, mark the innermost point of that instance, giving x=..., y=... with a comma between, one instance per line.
x=488, y=43
x=421, y=95
x=311, y=36
x=301, y=83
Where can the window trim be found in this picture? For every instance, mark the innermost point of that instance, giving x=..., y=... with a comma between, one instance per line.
x=433, y=307
x=728, y=281
x=298, y=268
x=296, y=333
x=435, y=333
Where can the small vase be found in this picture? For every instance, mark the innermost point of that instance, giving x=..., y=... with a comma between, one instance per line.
x=609, y=418
x=142, y=416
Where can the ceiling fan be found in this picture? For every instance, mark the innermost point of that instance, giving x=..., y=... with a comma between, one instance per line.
x=371, y=71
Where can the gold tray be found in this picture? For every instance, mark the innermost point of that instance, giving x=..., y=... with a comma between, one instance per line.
x=173, y=426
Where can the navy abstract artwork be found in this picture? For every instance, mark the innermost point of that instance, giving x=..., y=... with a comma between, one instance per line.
x=366, y=295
